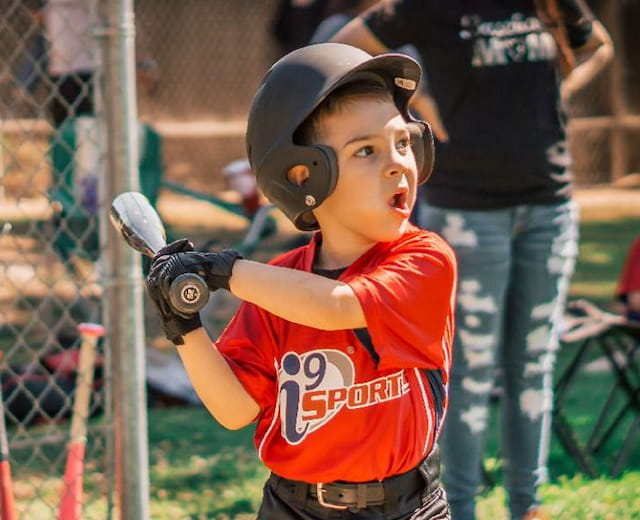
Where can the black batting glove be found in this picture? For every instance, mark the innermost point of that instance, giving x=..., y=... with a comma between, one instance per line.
x=214, y=268
x=161, y=275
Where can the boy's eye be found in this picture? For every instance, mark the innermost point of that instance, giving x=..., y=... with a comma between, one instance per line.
x=365, y=151
x=403, y=144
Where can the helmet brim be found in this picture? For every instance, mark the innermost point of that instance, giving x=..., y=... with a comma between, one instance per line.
x=400, y=73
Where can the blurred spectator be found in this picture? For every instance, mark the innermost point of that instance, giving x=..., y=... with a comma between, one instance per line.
x=628, y=290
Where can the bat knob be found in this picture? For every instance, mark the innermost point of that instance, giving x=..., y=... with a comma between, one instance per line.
x=188, y=294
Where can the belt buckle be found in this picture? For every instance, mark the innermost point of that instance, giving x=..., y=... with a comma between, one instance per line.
x=320, y=495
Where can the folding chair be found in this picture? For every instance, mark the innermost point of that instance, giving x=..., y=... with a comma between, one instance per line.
x=616, y=341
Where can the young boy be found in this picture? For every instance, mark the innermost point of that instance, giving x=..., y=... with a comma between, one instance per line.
x=341, y=349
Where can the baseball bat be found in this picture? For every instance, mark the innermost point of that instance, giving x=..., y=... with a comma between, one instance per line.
x=71, y=500
x=7, y=504
x=139, y=224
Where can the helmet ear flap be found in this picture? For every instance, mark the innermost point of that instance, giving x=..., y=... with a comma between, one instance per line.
x=298, y=200
x=423, y=149
x=323, y=176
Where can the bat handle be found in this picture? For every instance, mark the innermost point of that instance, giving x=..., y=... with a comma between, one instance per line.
x=188, y=293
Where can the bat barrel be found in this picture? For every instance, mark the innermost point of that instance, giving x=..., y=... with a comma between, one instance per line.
x=133, y=216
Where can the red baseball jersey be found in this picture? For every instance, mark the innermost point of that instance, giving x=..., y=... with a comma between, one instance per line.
x=630, y=276
x=353, y=405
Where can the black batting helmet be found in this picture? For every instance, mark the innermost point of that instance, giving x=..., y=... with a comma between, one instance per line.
x=290, y=91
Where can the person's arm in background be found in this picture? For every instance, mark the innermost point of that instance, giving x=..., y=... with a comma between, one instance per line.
x=356, y=33
x=592, y=58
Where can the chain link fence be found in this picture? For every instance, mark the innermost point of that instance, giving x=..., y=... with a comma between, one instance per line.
x=198, y=64
x=51, y=159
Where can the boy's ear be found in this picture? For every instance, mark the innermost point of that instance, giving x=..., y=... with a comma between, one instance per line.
x=298, y=174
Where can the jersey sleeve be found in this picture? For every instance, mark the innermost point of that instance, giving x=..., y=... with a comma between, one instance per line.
x=248, y=345
x=408, y=302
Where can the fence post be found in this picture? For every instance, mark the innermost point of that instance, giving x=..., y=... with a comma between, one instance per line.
x=124, y=284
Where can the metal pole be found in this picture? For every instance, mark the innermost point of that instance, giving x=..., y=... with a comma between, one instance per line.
x=124, y=312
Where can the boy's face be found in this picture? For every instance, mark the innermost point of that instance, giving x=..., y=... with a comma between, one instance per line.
x=377, y=179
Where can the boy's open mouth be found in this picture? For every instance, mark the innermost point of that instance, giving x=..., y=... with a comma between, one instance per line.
x=399, y=199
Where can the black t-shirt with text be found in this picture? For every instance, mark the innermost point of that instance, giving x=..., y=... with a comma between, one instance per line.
x=492, y=70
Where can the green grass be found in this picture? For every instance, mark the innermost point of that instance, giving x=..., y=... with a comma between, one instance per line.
x=577, y=498
x=199, y=469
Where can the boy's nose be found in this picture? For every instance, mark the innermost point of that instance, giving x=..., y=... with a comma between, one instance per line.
x=397, y=164
x=396, y=171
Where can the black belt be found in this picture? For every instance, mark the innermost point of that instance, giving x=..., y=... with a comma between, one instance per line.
x=342, y=495
x=358, y=495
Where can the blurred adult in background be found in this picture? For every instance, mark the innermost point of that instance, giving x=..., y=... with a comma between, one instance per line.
x=499, y=71
x=628, y=290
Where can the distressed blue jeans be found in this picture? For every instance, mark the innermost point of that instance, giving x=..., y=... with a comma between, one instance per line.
x=514, y=270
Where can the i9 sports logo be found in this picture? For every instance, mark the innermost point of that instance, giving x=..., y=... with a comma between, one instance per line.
x=316, y=385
